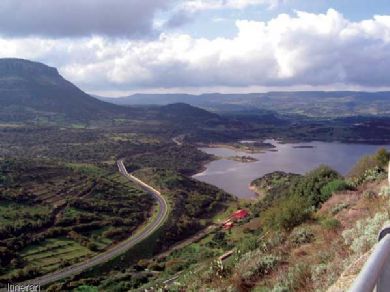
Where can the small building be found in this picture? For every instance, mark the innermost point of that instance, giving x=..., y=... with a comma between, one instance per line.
x=240, y=214
x=228, y=225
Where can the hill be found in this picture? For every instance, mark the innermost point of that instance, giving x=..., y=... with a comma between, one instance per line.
x=31, y=91
x=307, y=103
x=35, y=93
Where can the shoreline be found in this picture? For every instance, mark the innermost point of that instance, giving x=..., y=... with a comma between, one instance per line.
x=244, y=148
x=258, y=194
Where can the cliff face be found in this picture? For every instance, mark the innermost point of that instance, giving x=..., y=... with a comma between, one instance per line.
x=28, y=69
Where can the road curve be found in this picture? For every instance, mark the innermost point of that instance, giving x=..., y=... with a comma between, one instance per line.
x=121, y=247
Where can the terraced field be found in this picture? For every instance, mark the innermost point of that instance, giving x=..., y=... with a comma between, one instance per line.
x=52, y=254
x=53, y=215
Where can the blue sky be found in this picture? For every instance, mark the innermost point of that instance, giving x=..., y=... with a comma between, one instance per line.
x=221, y=22
x=120, y=47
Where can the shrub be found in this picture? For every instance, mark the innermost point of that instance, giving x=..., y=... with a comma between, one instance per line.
x=369, y=195
x=287, y=214
x=385, y=191
x=365, y=163
x=324, y=275
x=256, y=264
x=247, y=243
x=369, y=167
x=336, y=209
x=301, y=235
x=86, y=288
x=373, y=174
x=330, y=223
x=382, y=157
x=364, y=234
x=311, y=184
x=333, y=186
x=296, y=279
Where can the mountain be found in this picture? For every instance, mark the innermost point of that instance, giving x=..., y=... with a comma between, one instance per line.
x=308, y=103
x=31, y=90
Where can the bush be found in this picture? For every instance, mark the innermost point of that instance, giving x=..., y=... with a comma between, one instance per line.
x=296, y=279
x=330, y=223
x=382, y=157
x=369, y=195
x=332, y=187
x=369, y=167
x=247, y=243
x=364, y=234
x=336, y=209
x=256, y=264
x=288, y=213
x=301, y=235
x=85, y=288
x=310, y=186
x=385, y=191
x=365, y=163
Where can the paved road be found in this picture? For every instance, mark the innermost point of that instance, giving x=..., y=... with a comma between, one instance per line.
x=119, y=248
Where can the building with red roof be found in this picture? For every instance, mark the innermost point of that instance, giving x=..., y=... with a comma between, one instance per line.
x=240, y=214
x=228, y=225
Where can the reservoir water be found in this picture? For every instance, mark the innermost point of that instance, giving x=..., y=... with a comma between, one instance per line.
x=235, y=177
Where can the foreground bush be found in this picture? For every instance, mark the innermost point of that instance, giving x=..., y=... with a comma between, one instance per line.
x=301, y=235
x=364, y=234
x=370, y=166
x=288, y=213
x=311, y=185
x=333, y=186
x=256, y=264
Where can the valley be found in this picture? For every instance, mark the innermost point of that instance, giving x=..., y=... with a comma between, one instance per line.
x=71, y=219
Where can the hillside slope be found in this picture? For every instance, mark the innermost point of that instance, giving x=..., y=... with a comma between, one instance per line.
x=31, y=90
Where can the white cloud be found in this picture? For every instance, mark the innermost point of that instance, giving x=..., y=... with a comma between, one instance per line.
x=199, y=5
x=301, y=50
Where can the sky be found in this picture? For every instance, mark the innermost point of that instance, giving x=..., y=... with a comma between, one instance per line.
x=120, y=47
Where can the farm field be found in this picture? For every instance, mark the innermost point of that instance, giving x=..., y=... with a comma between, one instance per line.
x=53, y=215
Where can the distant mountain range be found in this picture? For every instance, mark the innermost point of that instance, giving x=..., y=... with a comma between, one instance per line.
x=32, y=92
x=307, y=103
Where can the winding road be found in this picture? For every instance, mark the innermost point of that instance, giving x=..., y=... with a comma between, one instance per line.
x=121, y=247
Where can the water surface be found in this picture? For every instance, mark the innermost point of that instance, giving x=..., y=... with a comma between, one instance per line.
x=235, y=177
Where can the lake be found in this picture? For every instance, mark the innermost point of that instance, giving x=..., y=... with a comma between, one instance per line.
x=235, y=177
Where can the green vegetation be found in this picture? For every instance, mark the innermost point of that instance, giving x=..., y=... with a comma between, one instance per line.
x=86, y=149
x=297, y=240
x=369, y=167
x=274, y=185
x=53, y=215
x=62, y=199
x=334, y=186
x=287, y=213
x=194, y=203
x=314, y=186
x=290, y=199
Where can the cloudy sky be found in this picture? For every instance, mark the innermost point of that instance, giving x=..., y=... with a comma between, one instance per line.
x=117, y=47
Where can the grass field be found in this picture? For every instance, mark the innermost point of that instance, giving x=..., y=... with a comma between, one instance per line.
x=52, y=253
x=13, y=212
